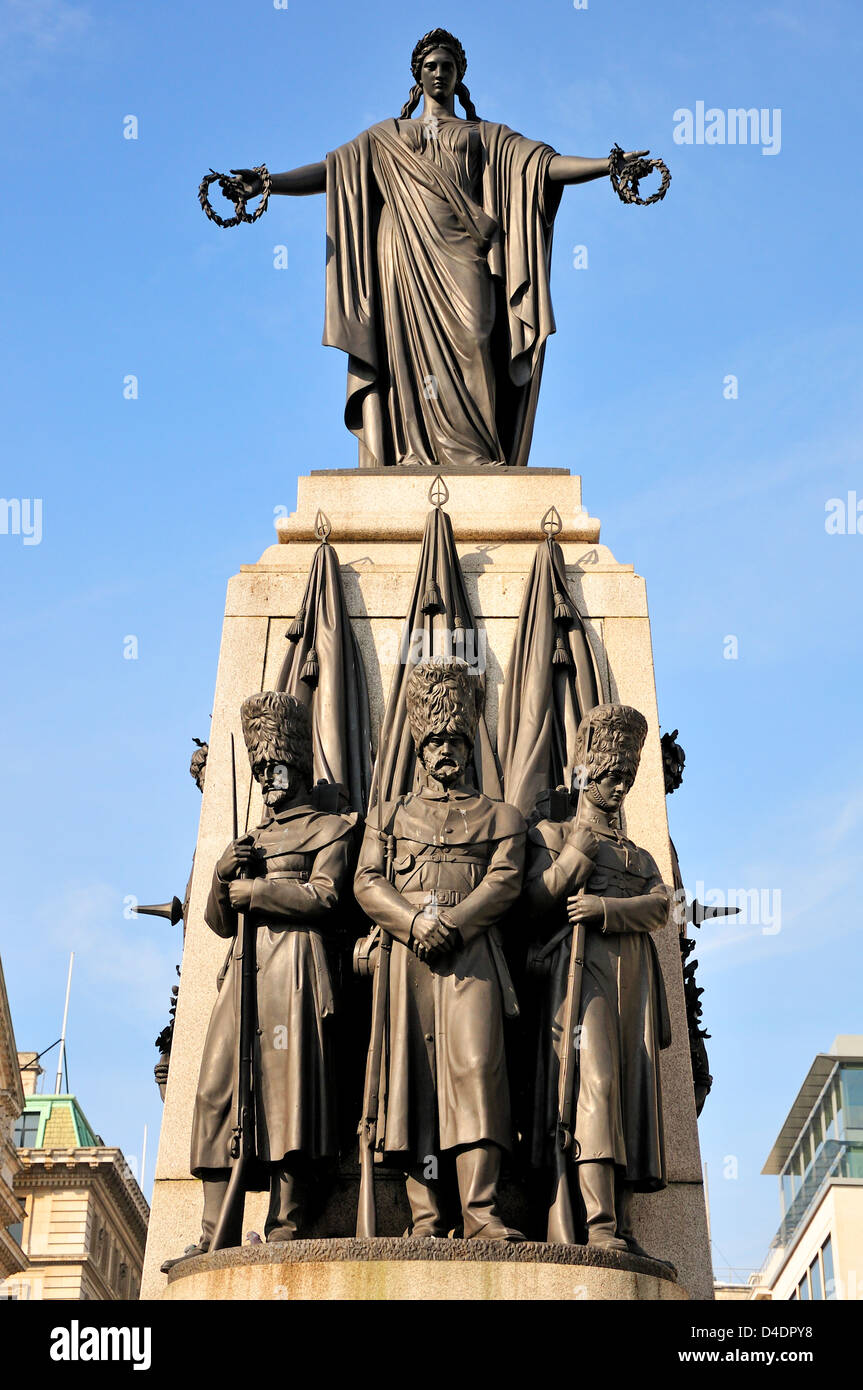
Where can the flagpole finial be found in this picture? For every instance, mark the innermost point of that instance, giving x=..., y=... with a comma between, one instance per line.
x=438, y=493
x=551, y=522
x=323, y=526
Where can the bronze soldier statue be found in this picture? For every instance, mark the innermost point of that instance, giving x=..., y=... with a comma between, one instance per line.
x=589, y=873
x=286, y=876
x=457, y=862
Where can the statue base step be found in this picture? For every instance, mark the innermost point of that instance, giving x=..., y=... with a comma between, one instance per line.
x=395, y=1268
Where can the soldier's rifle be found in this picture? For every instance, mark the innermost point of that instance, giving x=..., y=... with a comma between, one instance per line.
x=561, y=1222
x=242, y=1146
x=372, y=1126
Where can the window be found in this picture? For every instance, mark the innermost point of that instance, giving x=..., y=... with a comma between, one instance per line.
x=26, y=1129
x=16, y=1231
x=827, y=1265
x=830, y=1114
x=818, y=1127
x=852, y=1086
x=803, y=1287
x=815, y=1279
x=837, y=1105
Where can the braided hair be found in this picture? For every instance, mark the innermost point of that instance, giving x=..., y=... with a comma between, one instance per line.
x=438, y=38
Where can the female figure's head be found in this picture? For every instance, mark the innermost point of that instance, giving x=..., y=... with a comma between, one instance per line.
x=438, y=64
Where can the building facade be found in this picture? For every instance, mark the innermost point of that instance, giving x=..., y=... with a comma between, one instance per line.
x=817, y=1252
x=85, y=1218
x=12, y=1257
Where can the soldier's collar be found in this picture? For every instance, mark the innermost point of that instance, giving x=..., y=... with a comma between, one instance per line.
x=600, y=825
x=290, y=813
x=458, y=793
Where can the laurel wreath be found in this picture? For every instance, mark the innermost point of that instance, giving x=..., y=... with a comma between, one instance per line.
x=625, y=175
x=241, y=215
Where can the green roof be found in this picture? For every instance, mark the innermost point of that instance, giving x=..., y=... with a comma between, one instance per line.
x=62, y=1123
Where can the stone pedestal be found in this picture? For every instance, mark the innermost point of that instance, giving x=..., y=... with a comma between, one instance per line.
x=377, y=518
x=421, y=1270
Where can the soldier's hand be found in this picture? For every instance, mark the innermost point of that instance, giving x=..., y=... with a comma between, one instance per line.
x=448, y=936
x=444, y=939
x=583, y=840
x=237, y=858
x=433, y=936
x=421, y=930
x=240, y=894
x=586, y=909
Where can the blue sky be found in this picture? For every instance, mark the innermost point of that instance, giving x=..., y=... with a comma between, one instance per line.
x=750, y=267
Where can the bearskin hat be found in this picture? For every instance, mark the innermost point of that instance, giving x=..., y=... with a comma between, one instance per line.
x=277, y=729
x=444, y=696
x=610, y=735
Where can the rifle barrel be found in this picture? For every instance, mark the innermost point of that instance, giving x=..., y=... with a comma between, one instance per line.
x=561, y=1222
x=229, y=1224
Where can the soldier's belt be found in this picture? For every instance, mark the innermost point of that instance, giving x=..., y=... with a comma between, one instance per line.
x=622, y=882
x=298, y=875
x=439, y=897
x=439, y=854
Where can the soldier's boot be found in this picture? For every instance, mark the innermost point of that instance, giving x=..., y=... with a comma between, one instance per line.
x=596, y=1183
x=426, y=1204
x=624, y=1220
x=624, y=1227
x=478, y=1171
x=289, y=1188
x=215, y=1186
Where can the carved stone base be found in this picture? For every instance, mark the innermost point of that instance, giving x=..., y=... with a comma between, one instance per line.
x=396, y=1269
x=377, y=522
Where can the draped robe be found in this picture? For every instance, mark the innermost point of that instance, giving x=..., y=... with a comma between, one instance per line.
x=437, y=287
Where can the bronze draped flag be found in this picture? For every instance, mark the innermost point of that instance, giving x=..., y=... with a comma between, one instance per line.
x=439, y=622
x=323, y=668
x=550, y=683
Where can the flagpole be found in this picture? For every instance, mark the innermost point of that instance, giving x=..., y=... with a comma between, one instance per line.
x=62, y=1057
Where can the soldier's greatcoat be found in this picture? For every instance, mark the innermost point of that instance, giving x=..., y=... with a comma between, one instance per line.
x=446, y=1081
x=305, y=861
x=623, y=1013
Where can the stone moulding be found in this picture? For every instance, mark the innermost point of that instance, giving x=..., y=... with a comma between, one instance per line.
x=393, y=1267
x=391, y=504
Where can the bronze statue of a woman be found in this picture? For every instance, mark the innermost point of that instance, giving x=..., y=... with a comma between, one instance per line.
x=439, y=231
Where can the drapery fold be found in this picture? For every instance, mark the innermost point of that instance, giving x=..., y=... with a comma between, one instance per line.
x=323, y=668
x=439, y=622
x=437, y=288
x=550, y=683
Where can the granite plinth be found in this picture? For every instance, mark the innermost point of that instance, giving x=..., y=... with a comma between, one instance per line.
x=406, y=1270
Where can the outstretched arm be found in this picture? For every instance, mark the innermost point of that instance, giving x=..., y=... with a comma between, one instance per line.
x=571, y=168
x=310, y=178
